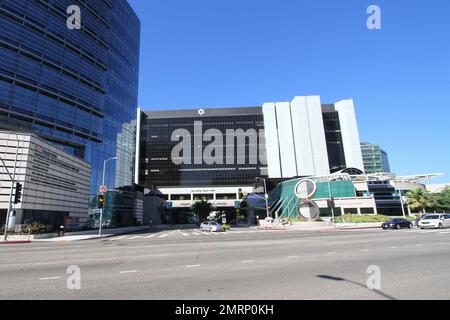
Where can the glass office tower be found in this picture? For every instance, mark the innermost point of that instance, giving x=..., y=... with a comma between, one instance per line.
x=77, y=89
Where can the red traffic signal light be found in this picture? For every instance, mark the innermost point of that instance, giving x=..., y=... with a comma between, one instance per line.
x=101, y=201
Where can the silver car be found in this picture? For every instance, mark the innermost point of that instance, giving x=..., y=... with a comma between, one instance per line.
x=211, y=226
x=437, y=221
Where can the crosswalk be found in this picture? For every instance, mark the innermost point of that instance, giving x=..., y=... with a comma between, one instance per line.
x=184, y=234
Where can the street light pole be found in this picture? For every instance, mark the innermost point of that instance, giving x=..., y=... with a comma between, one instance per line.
x=401, y=201
x=103, y=184
x=331, y=199
x=266, y=196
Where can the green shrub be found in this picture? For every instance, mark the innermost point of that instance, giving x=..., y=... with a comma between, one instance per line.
x=226, y=227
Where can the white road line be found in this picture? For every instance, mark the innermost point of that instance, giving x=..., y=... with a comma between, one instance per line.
x=248, y=261
x=419, y=244
x=292, y=257
x=136, y=237
x=195, y=234
x=364, y=250
x=193, y=266
x=129, y=271
x=206, y=233
x=392, y=247
x=150, y=236
x=331, y=253
x=118, y=238
x=445, y=232
x=441, y=243
x=49, y=278
x=165, y=235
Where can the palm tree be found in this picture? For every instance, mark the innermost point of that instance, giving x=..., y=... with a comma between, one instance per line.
x=419, y=199
x=202, y=209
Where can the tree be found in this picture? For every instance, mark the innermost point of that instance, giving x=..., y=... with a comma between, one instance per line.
x=202, y=209
x=443, y=200
x=417, y=199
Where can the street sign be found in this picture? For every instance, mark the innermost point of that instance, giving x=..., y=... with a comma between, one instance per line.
x=224, y=220
x=237, y=204
x=103, y=189
x=169, y=205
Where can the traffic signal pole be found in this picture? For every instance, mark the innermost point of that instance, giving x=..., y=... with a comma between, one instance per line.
x=103, y=194
x=13, y=180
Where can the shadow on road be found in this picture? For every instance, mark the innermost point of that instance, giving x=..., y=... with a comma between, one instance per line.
x=381, y=293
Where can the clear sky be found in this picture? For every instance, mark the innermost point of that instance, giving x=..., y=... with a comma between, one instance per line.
x=223, y=53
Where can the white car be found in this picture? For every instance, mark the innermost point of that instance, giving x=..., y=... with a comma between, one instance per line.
x=211, y=226
x=436, y=221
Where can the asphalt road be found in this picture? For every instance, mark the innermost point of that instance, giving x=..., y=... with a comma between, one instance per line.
x=246, y=264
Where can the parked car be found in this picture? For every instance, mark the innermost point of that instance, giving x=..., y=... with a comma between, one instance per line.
x=397, y=224
x=436, y=221
x=211, y=226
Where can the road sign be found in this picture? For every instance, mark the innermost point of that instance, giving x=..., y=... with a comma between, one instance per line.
x=169, y=205
x=224, y=220
x=103, y=189
x=237, y=204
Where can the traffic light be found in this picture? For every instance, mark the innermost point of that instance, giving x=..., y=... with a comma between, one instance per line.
x=18, y=195
x=101, y=201
x=331, y=204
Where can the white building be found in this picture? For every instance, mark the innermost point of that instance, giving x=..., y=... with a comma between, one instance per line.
x=55, y=183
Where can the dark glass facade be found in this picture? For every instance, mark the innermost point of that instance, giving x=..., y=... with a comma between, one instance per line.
x=158, y=169
x=333, y=136
x=77, y=89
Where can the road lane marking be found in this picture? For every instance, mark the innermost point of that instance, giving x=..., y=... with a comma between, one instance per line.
x=292, y=257
x=49, y=278
x=248, y=261
x=364, y=250
x=150, y=236
x=136, y=237
x=331, y=253
x=392, y=247
x=166, y=234
x=419, y=244
x=445, y=232
x=118, y=238
x=193, y=266
x=195, y=233
x=129, y=271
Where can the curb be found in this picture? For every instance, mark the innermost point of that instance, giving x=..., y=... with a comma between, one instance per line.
x=16, y=242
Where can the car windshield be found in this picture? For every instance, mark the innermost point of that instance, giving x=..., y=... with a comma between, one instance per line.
x=214, y=224
x=433, y=217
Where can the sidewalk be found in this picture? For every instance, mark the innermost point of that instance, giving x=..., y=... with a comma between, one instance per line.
x=77, y=236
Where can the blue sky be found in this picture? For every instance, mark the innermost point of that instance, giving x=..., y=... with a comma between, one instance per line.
x=220, y=53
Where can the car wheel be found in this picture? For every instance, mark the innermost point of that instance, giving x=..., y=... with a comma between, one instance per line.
x=440, y=226
x=398, y=227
